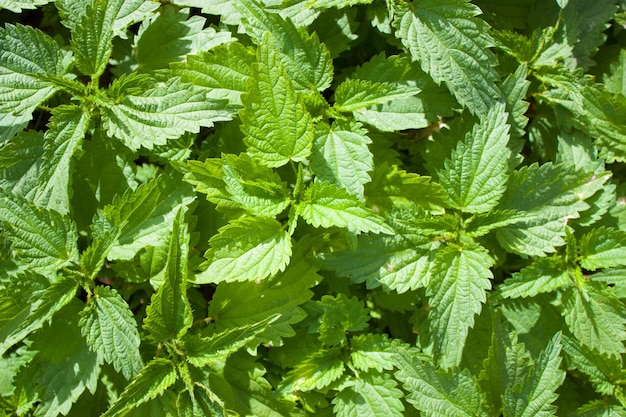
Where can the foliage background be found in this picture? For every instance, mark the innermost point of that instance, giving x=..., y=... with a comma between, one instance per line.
x=333, y=207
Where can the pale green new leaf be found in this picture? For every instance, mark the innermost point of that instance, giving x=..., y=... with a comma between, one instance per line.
x=169, y=314
x=65, y=133
x=354, y=94
x=275, y=120
x=550, y=194
x=452, y=45
x=16, y=6
x=340, y=316
x=456, y=293
x=104, y=235
x=372, y=351
x=534, y=396
x=370, y=396
x=603, y=247
x=224, y=71
x=111, y=331
x=281, y=295
x=326, y=205
x=596, y=318
x=202, y=351
x=542, y=276
x=143, y=112
x=171, y=35
x=316, y=372
x=247, y=249
x=340, y=155
x=615, y=80
x=306, y=60
x=28, y=59
x=256, y=188
x=436, y=393
x=200, y=403
x=475, y=175
x=146, y=215
x=152, y=381
x=51, y=300
x=42, y=239
x=514, y=89
x=208, y=178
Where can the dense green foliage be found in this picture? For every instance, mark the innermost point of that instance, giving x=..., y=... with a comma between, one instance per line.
x=332, y=207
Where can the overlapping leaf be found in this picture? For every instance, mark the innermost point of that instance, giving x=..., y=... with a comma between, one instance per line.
x=370, y=396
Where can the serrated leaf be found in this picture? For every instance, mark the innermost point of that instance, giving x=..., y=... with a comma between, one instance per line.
x=315, y=373
x=280, y=295
x=615, y=79
x=596, y=318
x=482, y=223
x=551, y=194
x=535, y=395
x=169, y=314
x=435, y=392
x=42, y=239
x=20, y=162
x=142, y=112
x=326, y=205
x=28, y=59
x=340, y=315
x=475, y=175
x=353, y=94
x=248, y=249
x=16, y=6
x=110, y=329
x=224, y=71
x=603, y=248
x=152, y=381
x=256, y=188
x=306, y=60
x=51, y=300
x=57, y=377
x=340, y=155
x=66, y=131
x=276, y=123
x=202, y=351
x=456, y=292
x=199, y=403
x=171, y=35
x=452, y=45
x=371, y=351
x=93, y=35
x=543, y=275
x=104, y=235
x=370, y=396
x=146, y=215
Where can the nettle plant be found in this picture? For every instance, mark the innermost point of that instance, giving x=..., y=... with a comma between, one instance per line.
x=334, y=207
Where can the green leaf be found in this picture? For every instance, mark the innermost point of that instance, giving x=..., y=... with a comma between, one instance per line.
x=514, y=90
x=276, y=123
x=371, y=351
x=353, y=94
x=596, y=318
x=58, y=376
x=542, y=276
x=615, y=80
x=452, y=45
x=371, y=396
x=536, y=393
x=105, y=236
x=340, y=315
x=306, y=60
x=111, y=331
x=65, y=133
x=199, y=403
x=248, y=249
x=93, y=35
x=203, y=351
x=255, y=188
x=482, y=223
x=224, y=71
x=51, y=300
x=152, y=381
x=475, y=175
x=20, y=163
x=326, y=205
x=435, y=392
x=282, y=295
x=16, y=6
x=603, y=247
x=29, y=59
x=169, y=314
x=142, y=112
x=171, y=35
x=146, y=215
x=316, y=372
x=456, y=292
x=340, y=155
x=42, y=239
x=551, y=194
